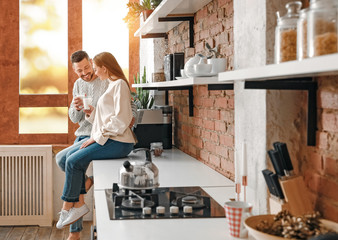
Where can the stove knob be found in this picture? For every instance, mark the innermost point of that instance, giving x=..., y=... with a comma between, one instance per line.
x=174, y=210
x=146, y=211
x=187, y=209
x=160, y=210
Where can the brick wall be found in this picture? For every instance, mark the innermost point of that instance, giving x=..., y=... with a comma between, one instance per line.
x=209, y=134
x=320, y=163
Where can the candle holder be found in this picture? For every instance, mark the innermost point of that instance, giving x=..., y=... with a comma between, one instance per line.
x=244, y=183
x=238, y=190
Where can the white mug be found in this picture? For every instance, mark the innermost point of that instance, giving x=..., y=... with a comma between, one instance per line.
x=86, y=102
x=236, y=212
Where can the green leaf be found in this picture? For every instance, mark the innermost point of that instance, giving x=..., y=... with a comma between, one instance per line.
x=142, y=97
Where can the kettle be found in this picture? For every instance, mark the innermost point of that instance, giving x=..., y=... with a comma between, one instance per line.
x=139, y=175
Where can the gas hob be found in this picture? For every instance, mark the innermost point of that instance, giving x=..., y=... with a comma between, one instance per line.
x=161, y=203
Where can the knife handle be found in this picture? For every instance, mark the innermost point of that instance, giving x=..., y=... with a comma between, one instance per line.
x=266, y=174
x=276, y=162
x=275, y=182
x=286, y=161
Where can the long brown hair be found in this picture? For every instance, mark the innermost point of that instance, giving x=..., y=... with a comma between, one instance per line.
x=107, y=60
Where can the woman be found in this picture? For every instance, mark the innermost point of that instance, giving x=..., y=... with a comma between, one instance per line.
x=110, y=137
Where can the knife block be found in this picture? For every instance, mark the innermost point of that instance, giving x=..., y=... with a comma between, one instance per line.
x=276, y=205
x=296, y=195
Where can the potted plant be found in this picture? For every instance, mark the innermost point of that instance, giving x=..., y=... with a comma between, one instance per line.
x=142, y=98
x=146, y=7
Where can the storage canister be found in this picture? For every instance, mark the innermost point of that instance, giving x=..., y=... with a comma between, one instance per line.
x=322, y=27
x=286, y=33
x=302, y=35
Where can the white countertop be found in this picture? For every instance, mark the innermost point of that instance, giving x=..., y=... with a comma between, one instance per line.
x=175, y=169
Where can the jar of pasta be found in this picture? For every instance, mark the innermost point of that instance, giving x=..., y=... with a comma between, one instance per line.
x=286, y=33
x=322, y=27
x=302, y=35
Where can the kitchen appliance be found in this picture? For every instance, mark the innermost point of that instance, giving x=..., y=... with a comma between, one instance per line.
x=139, y=174
x=161, y=203
x=154, y=125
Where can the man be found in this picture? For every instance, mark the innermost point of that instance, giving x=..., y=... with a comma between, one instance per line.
x=88, y=85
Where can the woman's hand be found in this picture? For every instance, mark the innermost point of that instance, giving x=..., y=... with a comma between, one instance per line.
x=87, y=143
x=88, y=111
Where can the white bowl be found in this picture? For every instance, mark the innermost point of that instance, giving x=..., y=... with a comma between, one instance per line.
x=202, y=68
x=218, y=64
x=251, y=223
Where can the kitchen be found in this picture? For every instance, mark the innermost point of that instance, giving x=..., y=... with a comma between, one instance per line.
x=247, y=29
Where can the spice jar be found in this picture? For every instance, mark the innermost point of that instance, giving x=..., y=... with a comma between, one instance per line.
x=286, y=33
x=157, y=148
x=322, y=27
x=302, y=35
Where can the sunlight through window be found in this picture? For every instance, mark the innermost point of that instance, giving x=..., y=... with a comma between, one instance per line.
x=43, y=62
x=105, y=31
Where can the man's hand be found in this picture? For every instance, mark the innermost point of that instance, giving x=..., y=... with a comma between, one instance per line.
x=88, y=111
x=87, y=143
x=132, y=123
x=78, y=103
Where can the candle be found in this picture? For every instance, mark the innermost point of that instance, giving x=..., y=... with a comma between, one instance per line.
x=244, y=160
x=237, y=169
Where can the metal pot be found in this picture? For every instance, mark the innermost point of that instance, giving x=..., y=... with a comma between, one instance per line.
x=139, y=174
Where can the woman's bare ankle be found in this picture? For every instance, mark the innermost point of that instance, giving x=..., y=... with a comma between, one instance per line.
x=74, y=236
x=78, y=204
x=67, y=205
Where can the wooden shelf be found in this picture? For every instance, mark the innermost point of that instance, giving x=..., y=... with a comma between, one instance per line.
x=173, y=8
x=312, y=67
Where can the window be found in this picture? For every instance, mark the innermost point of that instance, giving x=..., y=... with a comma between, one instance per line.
x=43, y=63
x=105, y=31
x=24, y=65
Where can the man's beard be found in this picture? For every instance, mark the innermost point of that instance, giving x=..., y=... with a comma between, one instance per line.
x=89, y=75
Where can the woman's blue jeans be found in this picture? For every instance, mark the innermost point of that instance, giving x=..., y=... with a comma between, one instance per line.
x=78, y=160
x=76, y=163
x=61, y=156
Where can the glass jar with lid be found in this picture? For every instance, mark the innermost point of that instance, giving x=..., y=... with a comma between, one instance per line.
x=322, y=27
x=286, y=33
x=302, y=35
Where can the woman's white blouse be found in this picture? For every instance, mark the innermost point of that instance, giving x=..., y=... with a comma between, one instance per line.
x=113, y=114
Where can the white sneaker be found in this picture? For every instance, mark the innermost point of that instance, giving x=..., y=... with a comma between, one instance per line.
x=75, y=214
x=63, y=217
